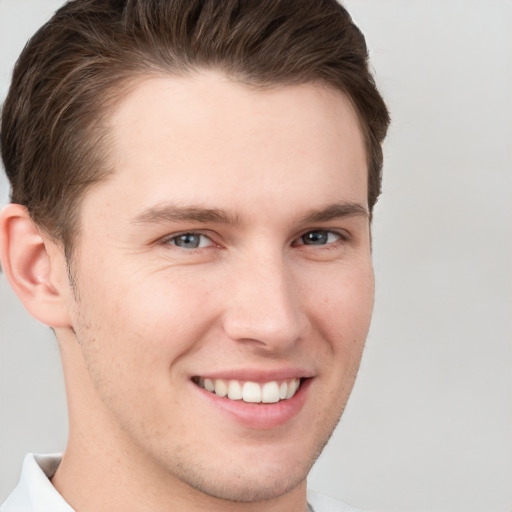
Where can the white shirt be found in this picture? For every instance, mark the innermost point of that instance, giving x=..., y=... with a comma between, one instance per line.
x=35, y=492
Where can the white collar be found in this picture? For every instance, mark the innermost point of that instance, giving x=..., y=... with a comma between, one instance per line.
x=35, y=492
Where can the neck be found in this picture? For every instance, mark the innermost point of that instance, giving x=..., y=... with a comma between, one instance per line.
x=91, y=482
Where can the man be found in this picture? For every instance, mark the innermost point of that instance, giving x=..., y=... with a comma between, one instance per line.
x=192, y=190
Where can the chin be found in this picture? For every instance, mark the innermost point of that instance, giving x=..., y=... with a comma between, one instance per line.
x=249, y=488
x=250, y=475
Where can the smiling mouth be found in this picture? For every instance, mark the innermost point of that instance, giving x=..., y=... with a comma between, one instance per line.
x=250, y=392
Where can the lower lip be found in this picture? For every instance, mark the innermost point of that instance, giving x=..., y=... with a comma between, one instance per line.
x=259, y=416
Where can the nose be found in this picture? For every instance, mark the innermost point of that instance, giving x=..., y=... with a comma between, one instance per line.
x=264, y=306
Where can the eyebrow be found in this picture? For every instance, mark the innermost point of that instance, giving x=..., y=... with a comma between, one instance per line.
x=336, y=211
x=170, y=212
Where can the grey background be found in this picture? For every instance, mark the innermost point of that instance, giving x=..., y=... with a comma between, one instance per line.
x=429, y=425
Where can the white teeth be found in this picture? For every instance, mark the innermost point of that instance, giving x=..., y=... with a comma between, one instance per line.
x=234, y=390
x=220, y=388
x=251, y=392
x=270, y=393
x=292, y=388
x=283, y=390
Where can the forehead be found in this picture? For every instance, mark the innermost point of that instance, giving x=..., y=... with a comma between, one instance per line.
x=207, y=138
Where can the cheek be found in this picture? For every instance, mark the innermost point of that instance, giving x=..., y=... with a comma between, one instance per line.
x=343, y=318
x=343, y=302
x=131, y=337
x=150, y=320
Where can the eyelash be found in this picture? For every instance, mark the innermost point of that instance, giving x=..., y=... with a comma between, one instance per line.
x=340, y=238
x=170, y=239
x=340, y=235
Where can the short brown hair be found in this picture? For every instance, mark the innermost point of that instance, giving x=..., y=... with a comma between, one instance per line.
x=53, y=138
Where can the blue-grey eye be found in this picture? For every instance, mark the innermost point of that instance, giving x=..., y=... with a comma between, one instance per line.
x=190, y=241
x=319, y=237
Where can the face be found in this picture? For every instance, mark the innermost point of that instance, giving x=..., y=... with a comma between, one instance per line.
x=224, y=283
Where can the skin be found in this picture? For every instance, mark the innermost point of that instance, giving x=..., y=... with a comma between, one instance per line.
x=145, y=316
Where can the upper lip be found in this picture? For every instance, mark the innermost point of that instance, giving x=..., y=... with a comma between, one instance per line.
x=257, y=375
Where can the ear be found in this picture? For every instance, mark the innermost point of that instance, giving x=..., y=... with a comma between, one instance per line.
x=35, y=267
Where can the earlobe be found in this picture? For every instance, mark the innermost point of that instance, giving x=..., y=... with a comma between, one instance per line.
x=36, y=273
